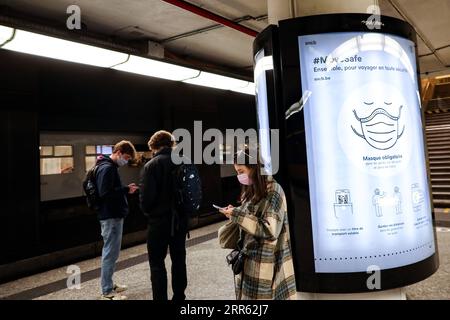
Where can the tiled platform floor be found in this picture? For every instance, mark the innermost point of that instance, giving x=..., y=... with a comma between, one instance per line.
x=208, y=275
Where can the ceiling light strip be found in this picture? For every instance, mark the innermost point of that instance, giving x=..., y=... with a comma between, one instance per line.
x=56, y=48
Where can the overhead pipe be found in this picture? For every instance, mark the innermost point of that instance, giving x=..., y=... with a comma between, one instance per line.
x=212, y=16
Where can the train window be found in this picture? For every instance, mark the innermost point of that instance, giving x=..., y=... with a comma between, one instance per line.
x=56, y=165
x=104, y=150
x=93, y=151
x=63, y=151
x=46, y=150
x=56, y=159
x=107, y=149
x=99, y=149
x=90, y=149
x=89, y=162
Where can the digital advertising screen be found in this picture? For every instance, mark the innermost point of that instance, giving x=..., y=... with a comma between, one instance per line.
x=368, y=184
x=262, y=64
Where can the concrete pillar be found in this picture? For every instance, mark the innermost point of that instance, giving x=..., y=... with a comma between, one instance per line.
x=286, y=9
x=279, y=10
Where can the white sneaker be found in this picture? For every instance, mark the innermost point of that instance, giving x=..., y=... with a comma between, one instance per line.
x=113, y=296
x=119, y=288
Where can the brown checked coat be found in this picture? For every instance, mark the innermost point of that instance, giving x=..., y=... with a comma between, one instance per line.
x=268, y=269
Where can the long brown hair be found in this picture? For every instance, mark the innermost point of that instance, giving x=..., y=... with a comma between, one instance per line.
x=258, y=189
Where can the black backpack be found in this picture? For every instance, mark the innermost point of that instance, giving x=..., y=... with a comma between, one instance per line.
x=187, y=189
x=90, y=189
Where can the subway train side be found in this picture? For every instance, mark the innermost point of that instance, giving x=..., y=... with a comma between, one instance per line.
x=56, y=117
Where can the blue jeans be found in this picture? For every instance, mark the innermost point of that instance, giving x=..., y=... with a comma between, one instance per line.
x=112, y=240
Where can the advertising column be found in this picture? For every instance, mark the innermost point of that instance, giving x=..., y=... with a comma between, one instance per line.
x=369, y=196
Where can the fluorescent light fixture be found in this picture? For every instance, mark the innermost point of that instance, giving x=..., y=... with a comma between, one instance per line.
x=217, y=81
x=248, y=89
x=158, y=69
x=50, y=47
x=55, y=48
x=5, y=34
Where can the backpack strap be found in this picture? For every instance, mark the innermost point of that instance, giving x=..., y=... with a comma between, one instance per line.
x=93, y=175
x=94, y=171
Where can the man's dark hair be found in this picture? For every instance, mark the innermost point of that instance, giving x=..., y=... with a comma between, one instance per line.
x=161, y=139
x=126, y=147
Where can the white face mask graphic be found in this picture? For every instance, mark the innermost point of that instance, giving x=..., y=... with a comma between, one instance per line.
x=380, y=129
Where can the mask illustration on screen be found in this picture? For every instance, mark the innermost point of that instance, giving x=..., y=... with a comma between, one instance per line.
x=380, y=129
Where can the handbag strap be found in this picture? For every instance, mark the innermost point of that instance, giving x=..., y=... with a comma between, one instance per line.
x=240, y=243
x=240, y=284
x=242, y=281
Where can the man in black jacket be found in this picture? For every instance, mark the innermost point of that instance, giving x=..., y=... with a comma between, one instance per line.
x=113, y=209
x=166, y=228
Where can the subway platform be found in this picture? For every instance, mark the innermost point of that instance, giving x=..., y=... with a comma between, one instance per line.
x=209, y=278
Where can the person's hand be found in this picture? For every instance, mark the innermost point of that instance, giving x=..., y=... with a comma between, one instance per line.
x=132, y=188
x=227, y=211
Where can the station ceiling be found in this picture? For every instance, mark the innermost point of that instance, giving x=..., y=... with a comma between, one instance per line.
x=196, y=40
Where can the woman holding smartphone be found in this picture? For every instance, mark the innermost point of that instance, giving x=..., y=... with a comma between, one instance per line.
x=268, y=271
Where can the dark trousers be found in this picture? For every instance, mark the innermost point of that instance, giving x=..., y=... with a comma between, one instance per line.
x=158, y=241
